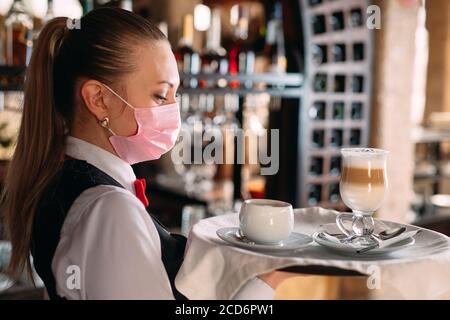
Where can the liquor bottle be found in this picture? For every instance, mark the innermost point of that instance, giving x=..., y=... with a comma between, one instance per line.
x=317, y=111
x=316, y=166
x=339, y=53
x=320, y=82
x=318, y=24
x=2, y=41
x=188, y=61
x=355, y=137
x=211, y=132
x=50, y=12
x=185, y=43
x=335, y=166
x=336, y=138
x=314, y=194
x=339, y=83
x=356, y=18
x=319, y=54
x=318, y=138
x=274, y=48
x=241, y=57
x=333, y=193
x=358, y=52
x=357, y=84
x=337, y=21
x=338, y=110
x=229, y=125
x=356, y=111
x=87, y=5
x=19, y=37
x=214, y=57
x=126, y=5
x=43, y=12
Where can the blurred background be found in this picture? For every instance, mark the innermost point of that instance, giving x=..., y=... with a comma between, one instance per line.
x=327, y=74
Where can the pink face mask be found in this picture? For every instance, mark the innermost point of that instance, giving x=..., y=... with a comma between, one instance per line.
x=158, y=129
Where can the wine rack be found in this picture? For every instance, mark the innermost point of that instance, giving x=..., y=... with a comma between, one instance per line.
x=335, y=109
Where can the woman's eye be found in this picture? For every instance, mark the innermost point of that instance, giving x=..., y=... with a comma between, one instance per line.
x=160, y=99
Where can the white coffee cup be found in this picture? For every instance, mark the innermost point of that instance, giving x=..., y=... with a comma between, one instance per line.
x=266, y=221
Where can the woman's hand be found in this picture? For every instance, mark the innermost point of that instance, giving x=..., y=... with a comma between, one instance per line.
x=275, y=278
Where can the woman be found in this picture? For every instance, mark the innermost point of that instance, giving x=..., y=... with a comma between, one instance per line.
x=97, y=99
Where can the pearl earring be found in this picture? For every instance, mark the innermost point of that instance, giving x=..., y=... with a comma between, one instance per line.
x=105, y=124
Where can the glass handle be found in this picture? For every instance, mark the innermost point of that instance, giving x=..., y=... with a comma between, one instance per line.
x=340, y=222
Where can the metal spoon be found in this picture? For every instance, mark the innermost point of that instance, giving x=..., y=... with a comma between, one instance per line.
x=384, y=235
x=241, y=237
x=390, y=233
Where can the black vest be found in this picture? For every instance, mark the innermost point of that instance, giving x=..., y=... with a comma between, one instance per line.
x=74, y=177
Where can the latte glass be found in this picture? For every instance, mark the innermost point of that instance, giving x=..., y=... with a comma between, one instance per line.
x=363, y=188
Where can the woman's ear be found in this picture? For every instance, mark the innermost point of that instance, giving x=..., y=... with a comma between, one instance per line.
x=94, y=98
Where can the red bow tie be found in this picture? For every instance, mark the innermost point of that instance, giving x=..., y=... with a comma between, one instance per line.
x=139, y=187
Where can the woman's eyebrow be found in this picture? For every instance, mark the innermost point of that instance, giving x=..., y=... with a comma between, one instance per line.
x=167, y=82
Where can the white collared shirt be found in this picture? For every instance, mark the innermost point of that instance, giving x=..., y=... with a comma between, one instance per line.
x=109, y=247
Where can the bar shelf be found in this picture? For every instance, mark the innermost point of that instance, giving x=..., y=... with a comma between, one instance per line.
x=288, y=85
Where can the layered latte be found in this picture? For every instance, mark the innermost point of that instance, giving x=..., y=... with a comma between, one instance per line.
x=363, y=183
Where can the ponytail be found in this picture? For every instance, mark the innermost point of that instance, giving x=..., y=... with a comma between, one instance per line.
x=39, y=149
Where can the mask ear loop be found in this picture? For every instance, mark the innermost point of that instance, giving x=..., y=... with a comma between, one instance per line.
x=118, y=96
x=105, y=122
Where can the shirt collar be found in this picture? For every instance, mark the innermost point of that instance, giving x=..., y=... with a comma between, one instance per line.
x=110, y=164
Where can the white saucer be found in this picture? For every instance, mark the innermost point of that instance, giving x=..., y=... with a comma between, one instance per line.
x=295, y=241
x=352, y=249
